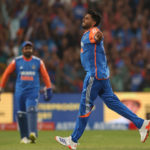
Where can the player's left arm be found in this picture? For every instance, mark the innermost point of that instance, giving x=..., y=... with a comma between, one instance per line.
x=95, y=35
x=47, y=81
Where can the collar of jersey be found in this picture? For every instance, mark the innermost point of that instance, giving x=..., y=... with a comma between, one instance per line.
x=27, y=59
x=88, y=30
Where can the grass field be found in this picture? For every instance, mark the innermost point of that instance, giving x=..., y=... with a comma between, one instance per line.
x=91, y=140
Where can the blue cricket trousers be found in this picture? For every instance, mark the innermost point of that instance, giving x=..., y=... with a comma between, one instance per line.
x=91, y=89
x=26, y=99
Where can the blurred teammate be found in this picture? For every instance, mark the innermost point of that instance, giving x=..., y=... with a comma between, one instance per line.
x=28, y=69
x=96, y=83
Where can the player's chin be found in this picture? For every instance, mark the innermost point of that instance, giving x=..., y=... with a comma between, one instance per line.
x=28, y=54
x=84, y=26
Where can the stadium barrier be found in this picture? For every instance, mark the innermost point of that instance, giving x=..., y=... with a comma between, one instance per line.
x=14, y=126
x=60, y=113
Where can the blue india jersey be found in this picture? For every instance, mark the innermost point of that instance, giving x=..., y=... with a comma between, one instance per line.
x=27, y=72
x=93, y=58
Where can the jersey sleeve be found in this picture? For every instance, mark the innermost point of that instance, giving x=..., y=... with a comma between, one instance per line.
x=92, y=34
x=45, y=75
x=11, y=68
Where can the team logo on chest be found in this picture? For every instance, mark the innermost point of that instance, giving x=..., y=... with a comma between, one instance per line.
x=33, y=67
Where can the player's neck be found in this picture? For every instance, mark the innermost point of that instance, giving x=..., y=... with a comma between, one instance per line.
x=86, y=30
x=27, y=58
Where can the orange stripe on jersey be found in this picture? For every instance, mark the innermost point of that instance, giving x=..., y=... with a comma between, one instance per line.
x=86, y=115
x=81, y=50
x=45, y=75
x=95, y=61
x=11, y=67
x=92, y=34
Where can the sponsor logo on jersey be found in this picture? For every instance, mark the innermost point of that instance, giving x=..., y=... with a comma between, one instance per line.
x=27, y=75
x=27, y=78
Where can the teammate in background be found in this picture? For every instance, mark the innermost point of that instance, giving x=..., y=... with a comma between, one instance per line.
x=28, y=69
x=97, y=83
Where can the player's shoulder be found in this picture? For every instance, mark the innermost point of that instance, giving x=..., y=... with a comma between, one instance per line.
x=94, y=30
x=36, y=58
x=19, y=57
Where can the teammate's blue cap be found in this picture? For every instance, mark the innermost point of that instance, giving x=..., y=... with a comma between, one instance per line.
x=26, y=43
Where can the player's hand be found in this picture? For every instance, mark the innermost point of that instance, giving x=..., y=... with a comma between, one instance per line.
x=98, y=36
x=48, y=94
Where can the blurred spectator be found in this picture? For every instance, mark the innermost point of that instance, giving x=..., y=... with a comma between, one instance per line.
x=145, y=86
x=79, y=9
x=55, y=28
x=13, y=19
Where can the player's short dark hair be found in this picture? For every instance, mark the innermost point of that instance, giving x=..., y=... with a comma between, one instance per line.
x=96, y=17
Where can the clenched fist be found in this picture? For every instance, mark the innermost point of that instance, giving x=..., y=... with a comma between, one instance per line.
x=98, y=36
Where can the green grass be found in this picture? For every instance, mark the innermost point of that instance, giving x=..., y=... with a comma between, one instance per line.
x=91, y=140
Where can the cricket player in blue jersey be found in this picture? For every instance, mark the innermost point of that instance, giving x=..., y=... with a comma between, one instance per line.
x=28, y=69
x=97, y=83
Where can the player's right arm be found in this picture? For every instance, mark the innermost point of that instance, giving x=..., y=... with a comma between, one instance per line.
x=95, y=35
x=10, y=69
x=98, y=36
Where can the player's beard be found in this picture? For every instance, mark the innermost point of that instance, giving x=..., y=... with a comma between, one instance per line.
x=27, y=54
x=86, y=27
